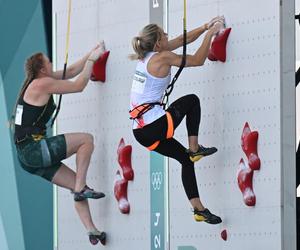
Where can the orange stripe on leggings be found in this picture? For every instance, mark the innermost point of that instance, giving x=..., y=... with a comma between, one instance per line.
x=154, y=145
x=170, y=131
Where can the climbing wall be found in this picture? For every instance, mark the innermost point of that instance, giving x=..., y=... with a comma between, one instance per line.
x=247, y=88
x=254, y=86
x=102, y=110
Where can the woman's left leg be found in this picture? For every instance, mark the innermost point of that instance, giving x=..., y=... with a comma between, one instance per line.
x=188, y=106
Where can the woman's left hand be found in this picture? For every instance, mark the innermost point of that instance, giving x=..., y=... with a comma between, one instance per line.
x=214, y=20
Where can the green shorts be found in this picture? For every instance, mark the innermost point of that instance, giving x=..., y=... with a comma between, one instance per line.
x=42, y=157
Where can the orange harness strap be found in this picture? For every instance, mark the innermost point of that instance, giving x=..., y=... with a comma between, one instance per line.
x=170, y=132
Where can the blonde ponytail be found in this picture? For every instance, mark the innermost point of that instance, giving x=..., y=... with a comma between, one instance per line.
x=146, y=41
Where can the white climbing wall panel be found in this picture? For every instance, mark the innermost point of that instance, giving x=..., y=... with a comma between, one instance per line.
x=247, y=88
x=254, y=86
x=102, y=110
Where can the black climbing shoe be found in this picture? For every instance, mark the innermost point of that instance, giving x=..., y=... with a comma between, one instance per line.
x=206, y=216
x=86, y=193
x=201, y=152
x=96, y=236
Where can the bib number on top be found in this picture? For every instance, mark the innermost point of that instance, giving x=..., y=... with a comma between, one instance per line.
x=139, y=82
x=19, y=113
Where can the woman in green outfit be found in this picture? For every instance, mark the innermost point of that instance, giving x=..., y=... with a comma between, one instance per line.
x=42, y=155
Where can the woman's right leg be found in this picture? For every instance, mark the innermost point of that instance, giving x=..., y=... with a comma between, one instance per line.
x=65, y=177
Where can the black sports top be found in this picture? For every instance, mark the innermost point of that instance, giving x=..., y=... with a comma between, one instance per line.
x=30, y=119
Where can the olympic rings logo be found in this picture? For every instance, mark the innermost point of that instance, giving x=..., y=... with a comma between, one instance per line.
x=156, y=180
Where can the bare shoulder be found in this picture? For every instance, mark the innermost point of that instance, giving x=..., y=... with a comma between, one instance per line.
x=42, y=82
x=170, y=58
x=164, y=57
x=166, y=54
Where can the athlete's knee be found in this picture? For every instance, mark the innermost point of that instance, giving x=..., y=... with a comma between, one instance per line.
x=89, y=140
x=194, y=99
x=184, y=160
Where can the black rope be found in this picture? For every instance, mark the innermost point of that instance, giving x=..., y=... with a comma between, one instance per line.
x=297, y=17
x=297, y=77
x=170, y=87
x=60, y=97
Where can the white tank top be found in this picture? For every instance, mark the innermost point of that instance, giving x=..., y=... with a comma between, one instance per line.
x=147, y=88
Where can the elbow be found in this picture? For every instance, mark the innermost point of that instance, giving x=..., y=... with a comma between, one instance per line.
x=70, y=72
x=79, y=90
x=79, y=87
x=196, y=62
x=201, y=61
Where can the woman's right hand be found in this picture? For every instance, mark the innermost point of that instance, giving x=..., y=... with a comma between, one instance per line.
x=97, y=51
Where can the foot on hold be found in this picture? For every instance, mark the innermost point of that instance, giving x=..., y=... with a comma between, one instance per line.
x=86, y=193
x=201, y=152
x=96, y=236
x=206, y=216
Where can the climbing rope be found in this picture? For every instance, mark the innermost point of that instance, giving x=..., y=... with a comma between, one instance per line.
x=170, y=87
x=66, y=60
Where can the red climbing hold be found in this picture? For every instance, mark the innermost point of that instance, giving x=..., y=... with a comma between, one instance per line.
x=249, y=145
x=245, y=178
x=120, y=191
x=224, y=235
x=124, y=159
x=99, y=68
x=217, y=51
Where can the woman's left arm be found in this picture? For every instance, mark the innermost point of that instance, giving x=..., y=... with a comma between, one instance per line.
x=194, y=34
x=191, y=36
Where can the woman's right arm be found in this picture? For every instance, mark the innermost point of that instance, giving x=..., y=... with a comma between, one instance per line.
x=49, y=85
x=200, y=55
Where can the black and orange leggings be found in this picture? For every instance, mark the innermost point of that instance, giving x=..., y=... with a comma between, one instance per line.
x=158, y=136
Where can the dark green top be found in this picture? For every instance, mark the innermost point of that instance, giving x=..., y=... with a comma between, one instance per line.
x=32, y=119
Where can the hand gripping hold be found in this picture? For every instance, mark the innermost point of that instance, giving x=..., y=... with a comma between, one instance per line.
x=120, y=191
x=124, y=159
x=249, y=146
x=99, y=68
x=217, y=51
x=245, y=179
